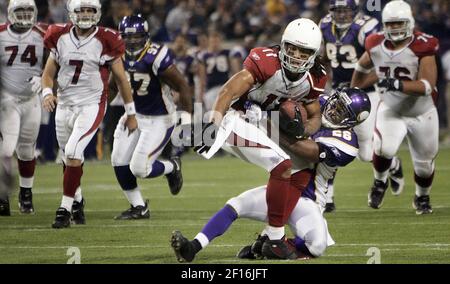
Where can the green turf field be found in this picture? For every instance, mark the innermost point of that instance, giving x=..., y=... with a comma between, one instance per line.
x=400, y=235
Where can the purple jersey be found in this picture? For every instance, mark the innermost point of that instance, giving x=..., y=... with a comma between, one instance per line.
x=345, y=50
x=217, y=66
x=151, y=96
x=186, y=64
x=342, y=148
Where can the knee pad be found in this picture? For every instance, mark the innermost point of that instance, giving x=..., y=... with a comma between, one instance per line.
x=119, y=157
x=25, y=151
x=365, y=152
x=236, y=203
x=424, y=168
x=317, y=247
x=138, y=166
x=382, y=148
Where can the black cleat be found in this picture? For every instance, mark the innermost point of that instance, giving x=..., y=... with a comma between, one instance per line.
x=62, y=219
x=78, y=217
x=278, y=249
x=396, y=179
x=183, y=248
x=175, y=178
x=330, y=207
x=376, y=194
x=422, y=205
x=4, y=207
x=246, y=253
x=253, y=251
x=26, y=201
x=134, y=213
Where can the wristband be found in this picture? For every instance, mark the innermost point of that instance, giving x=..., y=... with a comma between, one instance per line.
x=361, y=69
x=47, y=92
x=428, y=89
x=130, y=108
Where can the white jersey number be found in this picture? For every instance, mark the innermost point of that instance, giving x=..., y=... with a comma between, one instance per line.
x=333, y=52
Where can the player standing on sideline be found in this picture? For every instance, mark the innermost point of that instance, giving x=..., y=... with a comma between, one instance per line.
x=334, y=145
x=152, y=74
x=82, y=55
x=270, y=76
x=22, y=55
x=345, y=30
x=404, y=61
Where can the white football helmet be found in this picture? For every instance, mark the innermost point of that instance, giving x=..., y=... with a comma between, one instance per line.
x=398, y=11
x=22, y=19
x=305, y=34
x=84, y=21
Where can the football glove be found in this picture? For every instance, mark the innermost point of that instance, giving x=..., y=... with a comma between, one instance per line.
x=35, y=82
x=293, y=127
x=391, y=84
x=253, y=112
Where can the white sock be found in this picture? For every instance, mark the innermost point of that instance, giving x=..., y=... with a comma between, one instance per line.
x=383, y=176
x=275, y=233
x=202, y=239
x=67, y=202
x=330, y=193
x=394, y=164
x=422, y=191
x=78, y=196
x=168, y=167
x=134, y=197
x=26, y=182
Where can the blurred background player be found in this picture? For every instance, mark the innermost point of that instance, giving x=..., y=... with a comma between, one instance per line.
x=270, y=76
x=22, y=56
x=152, y=74
x=404, y=61
x=334, y=145
x=82, y=56
x=215, y=68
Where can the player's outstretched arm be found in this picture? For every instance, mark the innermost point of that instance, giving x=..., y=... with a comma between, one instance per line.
x=51, y=67
x=124, y=88
x=426, y=78
x=172, y=77
x=364, y=76
x=234, y=88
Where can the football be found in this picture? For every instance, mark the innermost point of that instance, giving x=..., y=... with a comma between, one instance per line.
x=287, y=108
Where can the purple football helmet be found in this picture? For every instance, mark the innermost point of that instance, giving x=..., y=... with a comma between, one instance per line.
x=343, y=12
x=345, y=108
x=134, y=31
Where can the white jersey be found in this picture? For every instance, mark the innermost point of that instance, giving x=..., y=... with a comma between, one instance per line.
x=272, y=86
x=21, y=58
x=84, y=70
x=402, y=64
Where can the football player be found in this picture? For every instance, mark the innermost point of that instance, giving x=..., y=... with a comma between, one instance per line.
x=334, y=145
x=82, y=55
x=405, y=64
x=270, y=76
x=215, y=69
x=22, y=56
x=152, y=73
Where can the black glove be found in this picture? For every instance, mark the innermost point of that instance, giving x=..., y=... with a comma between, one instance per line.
x=391, y=84
x=204, y=140
x=293, y=127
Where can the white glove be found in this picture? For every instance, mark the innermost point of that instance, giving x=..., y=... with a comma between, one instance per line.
x=253, y=113
x=35, y=82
